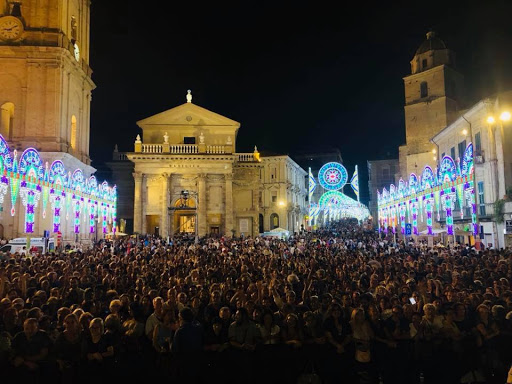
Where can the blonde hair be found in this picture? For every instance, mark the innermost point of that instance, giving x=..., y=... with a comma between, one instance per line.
x=99, y=321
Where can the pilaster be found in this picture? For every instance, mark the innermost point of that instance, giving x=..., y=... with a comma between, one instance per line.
x=201, y=206
x=164, y=226
x=137, y=203
x=229, y=205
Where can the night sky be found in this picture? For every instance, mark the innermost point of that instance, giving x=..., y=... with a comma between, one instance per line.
x=294, y=74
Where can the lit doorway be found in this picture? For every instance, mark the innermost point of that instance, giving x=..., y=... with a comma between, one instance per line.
x=187, y=223
x=185, y=217
x=153, y=224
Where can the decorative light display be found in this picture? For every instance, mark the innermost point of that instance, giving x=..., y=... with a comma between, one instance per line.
x=440, y=190
x=31, y=170
x=332, y=176
x=5, y=168
x=30, y=181
x=340, y=205
x=428, y=203
x=402, y=208
x=104, y=209
x=354, y=183
x=14, y=182
x=414, y=211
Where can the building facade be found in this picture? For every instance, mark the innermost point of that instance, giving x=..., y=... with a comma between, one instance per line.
x=486, y=125
x=381, y=173
x=188, y=177
x=283, y=194
x=45, y=98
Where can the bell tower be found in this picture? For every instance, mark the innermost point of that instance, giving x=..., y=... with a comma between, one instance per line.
x=433, y=98
x=45, y=78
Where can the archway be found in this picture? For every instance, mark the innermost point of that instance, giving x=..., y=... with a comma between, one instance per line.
x=6, y=120
x=185, y=215
x=274, y=221
x=260, y=223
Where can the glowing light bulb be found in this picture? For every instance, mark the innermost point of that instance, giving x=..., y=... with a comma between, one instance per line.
x=505, y=116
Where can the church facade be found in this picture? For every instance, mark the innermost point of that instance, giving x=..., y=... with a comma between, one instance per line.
x=188, y=177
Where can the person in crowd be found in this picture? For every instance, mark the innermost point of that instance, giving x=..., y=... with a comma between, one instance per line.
x=31, y=349
x=444, y=308
x=68, y=350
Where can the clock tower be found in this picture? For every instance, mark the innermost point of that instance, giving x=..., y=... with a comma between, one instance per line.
x=45, y=78
x=433, y=99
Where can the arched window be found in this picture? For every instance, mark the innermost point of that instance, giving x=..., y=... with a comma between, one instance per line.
x=6, y=120
x=73, y=132
x=274, y=221
x=423, y=89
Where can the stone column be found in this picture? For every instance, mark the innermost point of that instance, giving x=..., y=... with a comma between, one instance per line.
x=144, y=197
x=164, y=225
x=201, y=205
x=229, y=205
x=137, y=203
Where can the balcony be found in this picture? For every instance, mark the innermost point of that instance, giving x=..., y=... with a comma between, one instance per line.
x=174, y=149
x=249, y=157
x=484, y=212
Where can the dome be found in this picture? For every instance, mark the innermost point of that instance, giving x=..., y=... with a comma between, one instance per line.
x=432, y=42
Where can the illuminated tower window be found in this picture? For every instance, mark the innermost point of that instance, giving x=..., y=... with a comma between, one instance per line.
x=6, y=120
x=73, y=132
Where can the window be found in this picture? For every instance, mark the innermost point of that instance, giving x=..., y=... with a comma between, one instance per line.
x=274, y=196
x=424, y=63
x=73, y=132
x=273, y=173
x=6, y=120
x=452, y=152
x=189, y=140
x=478, y=144
x=462, y=148
x=481, y=198
x=385, y=173
x=443, y=155
x=274, y=221
x=423, y=89
x=74, y=29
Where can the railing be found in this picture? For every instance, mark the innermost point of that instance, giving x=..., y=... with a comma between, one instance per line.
x=216, y=149
x=245, y=157
x=179, y=149
x=119, y=156
x=152, y=148
x=484, y=211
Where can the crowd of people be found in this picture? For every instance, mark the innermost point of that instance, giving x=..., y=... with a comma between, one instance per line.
x=342, y=304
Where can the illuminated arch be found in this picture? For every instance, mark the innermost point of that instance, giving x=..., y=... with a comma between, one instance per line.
x=413, y=183
x=467, y=161
x=92, y=186
x=78, y=180
x=5, y=156
x=58, y=174
x=447, y=170
x=31, y=164
x=428, y=178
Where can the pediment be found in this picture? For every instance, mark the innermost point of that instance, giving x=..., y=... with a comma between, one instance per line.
x=187, y=114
